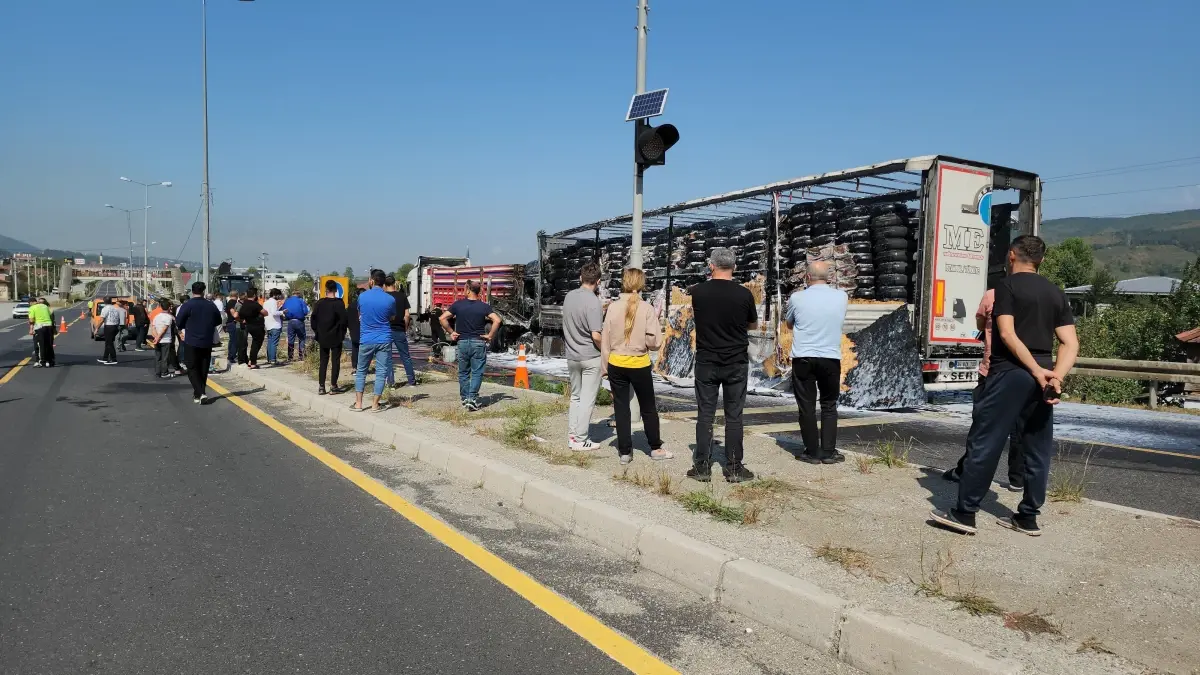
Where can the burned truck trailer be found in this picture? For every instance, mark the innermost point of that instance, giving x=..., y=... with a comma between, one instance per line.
x=929, y=234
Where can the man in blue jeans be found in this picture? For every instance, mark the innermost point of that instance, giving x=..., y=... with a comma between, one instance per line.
x=375, y=311
x=295, y=310
x=399, y=332
x=273, y=322
x=471, y=316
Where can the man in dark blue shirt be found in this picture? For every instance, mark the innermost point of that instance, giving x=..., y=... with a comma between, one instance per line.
x=295, y=310
x=471, y=316
x=375, y=311
x=197, y=321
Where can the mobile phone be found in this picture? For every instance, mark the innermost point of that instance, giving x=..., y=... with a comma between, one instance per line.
x=1049, y=393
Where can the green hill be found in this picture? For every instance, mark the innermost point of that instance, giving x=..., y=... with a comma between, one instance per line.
x=1136, y=246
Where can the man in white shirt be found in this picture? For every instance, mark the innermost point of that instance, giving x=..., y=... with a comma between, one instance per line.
x=112, y=318
x=162, y=336
x=274, y=324
x=815, y=316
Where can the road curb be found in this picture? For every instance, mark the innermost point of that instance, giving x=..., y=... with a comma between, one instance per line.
x=873, y=643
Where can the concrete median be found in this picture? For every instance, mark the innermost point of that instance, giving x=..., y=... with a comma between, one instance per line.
x=686, y=561
x=884, y=644
x=783, y=602
x=608, y=526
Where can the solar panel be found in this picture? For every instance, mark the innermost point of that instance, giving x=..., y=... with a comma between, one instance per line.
x=649, y=104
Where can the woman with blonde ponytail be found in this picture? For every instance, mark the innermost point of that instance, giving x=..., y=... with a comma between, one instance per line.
x=631, y=331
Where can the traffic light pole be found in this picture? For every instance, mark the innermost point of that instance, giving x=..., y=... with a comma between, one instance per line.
x=635, y=251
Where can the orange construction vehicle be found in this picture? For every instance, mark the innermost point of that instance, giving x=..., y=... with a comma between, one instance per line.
x=98, y=306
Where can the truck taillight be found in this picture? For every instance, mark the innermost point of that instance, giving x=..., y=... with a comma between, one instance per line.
x=939, y=298
x=929, y=367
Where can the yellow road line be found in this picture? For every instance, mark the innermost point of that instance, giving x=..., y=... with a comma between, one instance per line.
x=14, y=370
x=1129, y=447
x=619, y=648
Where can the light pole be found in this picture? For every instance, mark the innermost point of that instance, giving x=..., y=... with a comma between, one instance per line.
x=128, y=226
x=205, y=194
x=146, y=217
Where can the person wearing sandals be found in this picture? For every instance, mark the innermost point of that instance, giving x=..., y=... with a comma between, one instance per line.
x=631, y=330
x=375, y=311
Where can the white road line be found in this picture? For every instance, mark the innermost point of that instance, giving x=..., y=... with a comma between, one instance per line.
x=25, y=337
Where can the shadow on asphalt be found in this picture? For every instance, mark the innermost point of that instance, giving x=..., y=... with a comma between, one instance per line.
x=9, y=400
x=241, y=392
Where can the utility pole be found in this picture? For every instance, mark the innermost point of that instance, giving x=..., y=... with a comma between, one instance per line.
x=204, y=273
x=635, y=251
x=262, y=271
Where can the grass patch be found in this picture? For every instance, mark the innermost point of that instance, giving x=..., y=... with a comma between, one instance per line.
x=521, y=425
x=543, y=408
x=662, y=483
x=762, y=488
x=604, y=397
x=1093, y=645
x=892, y=453
x=1031, y=623
x=864, y=463
x=1068, y=480
x=582, y=460
x=541, y=383
x=751, y=512
x=852, y=560
x=976, y=604
x=454, y=414
x=699, y=501
x=666, y=484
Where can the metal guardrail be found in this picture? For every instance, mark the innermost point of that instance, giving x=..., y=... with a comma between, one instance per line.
x=1151, y=371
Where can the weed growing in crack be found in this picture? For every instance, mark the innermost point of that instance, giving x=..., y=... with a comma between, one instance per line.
x=700, y=501
x=1068, y=480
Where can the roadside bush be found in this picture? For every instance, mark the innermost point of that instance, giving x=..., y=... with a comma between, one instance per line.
x=1089, y=389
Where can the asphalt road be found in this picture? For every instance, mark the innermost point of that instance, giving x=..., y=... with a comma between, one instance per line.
x=140, y=533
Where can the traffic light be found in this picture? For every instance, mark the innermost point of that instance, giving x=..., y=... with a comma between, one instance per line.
x=651, y=143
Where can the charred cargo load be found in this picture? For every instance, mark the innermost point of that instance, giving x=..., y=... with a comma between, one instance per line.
x=927, y=234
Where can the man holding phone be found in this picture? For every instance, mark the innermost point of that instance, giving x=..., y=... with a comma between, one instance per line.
x=1023, y=384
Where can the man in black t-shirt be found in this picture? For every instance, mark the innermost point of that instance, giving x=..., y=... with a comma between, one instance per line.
x=1023, y=384
x=724, y=313
x=400, y=332
x=252, y=329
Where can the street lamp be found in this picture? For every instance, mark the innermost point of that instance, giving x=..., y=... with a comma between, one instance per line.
x=146, y=216
x=128, y=226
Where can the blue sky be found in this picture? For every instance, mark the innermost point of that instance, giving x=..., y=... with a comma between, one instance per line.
x=365, y=132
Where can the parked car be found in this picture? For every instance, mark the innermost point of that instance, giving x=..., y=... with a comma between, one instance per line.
x=21, y=310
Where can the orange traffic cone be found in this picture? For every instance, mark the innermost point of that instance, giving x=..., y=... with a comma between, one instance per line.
x=521, y=379
x=62, y=327
x=82, y=315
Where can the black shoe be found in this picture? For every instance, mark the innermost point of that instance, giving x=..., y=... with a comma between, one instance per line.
x=320, y=391
x=959, y=522
x=952, y=475
x=738, y=474
x=702, y=474
x=809, y=457
x=835, y=458
x=1023, y=524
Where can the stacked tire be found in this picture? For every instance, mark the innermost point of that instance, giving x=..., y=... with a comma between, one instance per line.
x=892, y=247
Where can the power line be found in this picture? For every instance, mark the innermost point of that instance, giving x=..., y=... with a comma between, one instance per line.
x=189, y=237
x=1122, y=192
x=1128, y=168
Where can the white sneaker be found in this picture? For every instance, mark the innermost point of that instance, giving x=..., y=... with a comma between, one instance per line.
x=586, y=444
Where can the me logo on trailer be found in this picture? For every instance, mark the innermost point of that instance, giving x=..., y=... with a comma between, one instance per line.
x=970, y=238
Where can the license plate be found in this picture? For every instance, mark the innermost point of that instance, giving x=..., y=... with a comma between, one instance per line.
x=958, y=376
x=962, y=364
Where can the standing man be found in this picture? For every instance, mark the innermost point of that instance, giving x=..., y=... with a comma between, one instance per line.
x=141, y=324
x=162, y=336
x=198, y=319
x=353, y=326
x=815, y=316
x=273, y=324
x=295, y=310
x=725, y=313
x=470, y=330
x=583, y=321
x=1023, y=385
x=41, y=327
x=231, y=328
x=436, y=332
x=329, y=328
x=112, y=317
x=1016, y=455
x=375, y=312
x=252, y=329
x=400, y=331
